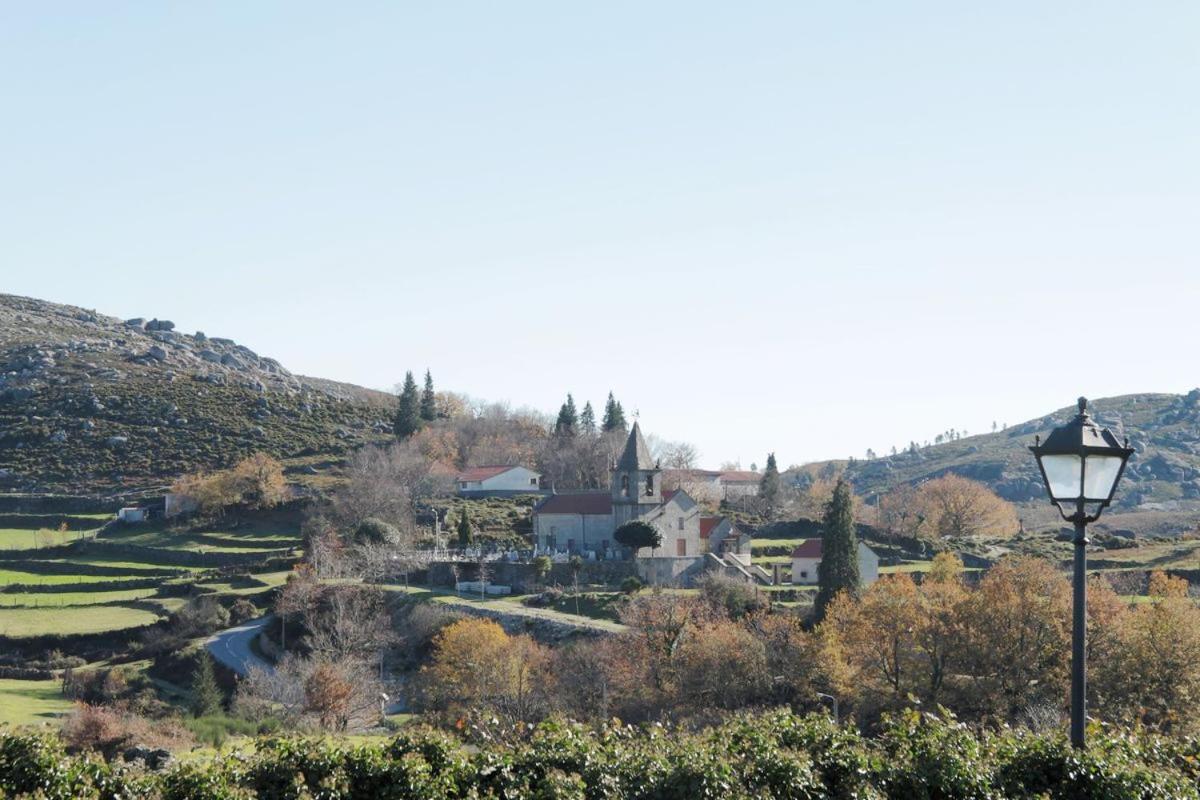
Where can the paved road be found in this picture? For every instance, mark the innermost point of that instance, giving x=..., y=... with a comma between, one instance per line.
x=232, y=646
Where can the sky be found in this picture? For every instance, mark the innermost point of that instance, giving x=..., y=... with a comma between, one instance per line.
x=808, y=228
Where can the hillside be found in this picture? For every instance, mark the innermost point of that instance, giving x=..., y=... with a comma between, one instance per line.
x=1159, y=493
x=90, y=403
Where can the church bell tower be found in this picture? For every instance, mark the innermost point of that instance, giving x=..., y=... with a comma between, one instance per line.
x=636, y=481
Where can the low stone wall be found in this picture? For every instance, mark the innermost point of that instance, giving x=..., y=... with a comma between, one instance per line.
x=547, y=631
x=664, y=571
x=522, y=578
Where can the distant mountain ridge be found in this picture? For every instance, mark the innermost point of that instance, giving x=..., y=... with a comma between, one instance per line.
x=1162, y=482
x=93, y=403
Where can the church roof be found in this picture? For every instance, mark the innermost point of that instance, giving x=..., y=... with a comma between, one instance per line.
x=637, y=453
x=589, y=503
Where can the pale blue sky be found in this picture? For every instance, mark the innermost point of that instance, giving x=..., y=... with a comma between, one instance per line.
x=813, y=228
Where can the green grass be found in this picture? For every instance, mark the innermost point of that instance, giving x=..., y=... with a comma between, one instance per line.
x=269, y=580
x=31, y=702
x=19, y=622
x=256, y=536
x=8, y=576
x=30, y=538
x=59, y=599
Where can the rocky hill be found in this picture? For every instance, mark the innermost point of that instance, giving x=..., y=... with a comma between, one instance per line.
x=1159, y=493
x=95, y=404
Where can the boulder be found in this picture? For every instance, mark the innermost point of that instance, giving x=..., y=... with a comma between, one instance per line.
x=157, y=353
x=160, y=325
x=116, y=441
x=136, y=322
x=211, y=355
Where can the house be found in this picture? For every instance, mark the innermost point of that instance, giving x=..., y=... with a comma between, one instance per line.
x=132, y=514
x=714, y=486
x=497, y=480
x=806, y=561
x=726, y=540
x=584, y=522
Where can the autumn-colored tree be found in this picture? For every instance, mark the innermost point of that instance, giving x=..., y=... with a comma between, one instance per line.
x=1017, y=638
x=1149, y=675
x=899, y=514
x=955, y=506
x=258, y=481
x=328, y=694
x=476, y=665
x=722, y=665
x=878, y=638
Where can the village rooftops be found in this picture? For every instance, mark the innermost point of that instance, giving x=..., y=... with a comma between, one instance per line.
x=809, y=548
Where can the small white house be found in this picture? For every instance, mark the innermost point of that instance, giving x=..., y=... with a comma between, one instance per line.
x=806, y=561
x=132, y=514
x=497, y=479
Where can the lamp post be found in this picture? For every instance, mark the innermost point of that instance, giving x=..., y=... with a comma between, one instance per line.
x=1081, y=464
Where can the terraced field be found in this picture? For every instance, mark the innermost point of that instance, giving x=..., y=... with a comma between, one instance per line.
x=19, y=622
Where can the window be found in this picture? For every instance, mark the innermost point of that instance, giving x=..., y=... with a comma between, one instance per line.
x=803, y=573
x=649, y=485
x=625, y=485
x=681, y=523
x=533, y=481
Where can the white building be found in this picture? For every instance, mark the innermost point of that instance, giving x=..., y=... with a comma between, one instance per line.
x=806, y=561
x=497, y=479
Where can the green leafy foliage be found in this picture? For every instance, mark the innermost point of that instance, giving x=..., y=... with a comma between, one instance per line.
x=774, y=755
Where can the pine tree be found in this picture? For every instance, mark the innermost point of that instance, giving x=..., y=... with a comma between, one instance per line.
x=568, y=418
x=408, y=414
x=769, y=486
x=428, y=400
x=839, y=550
x=614, y=416
x=587, y=419
x=206, y=694
x=464, y=530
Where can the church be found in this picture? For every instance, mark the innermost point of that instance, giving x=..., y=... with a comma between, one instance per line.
x=584, y=522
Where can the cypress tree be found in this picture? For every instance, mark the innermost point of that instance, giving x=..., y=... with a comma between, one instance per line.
x=769, y=487
x=587, y=419
x=568, y=418
x=428, y=399
x=206, y=694
x=839, y=551
x=408, y=413
x=464, y=530
x=614, y=416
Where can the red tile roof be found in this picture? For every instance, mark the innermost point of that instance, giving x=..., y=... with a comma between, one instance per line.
x=707, y=524
x=809, y=548
x=668, y=494
x=597, y=503
x=483, y=473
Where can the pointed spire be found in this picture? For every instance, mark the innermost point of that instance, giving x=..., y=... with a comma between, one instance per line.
x=637, y=453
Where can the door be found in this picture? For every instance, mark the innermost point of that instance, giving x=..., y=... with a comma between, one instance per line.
x=681, y=547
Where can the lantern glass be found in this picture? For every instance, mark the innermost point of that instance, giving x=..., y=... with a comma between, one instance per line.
x=1101, y=476
x=1064, y=474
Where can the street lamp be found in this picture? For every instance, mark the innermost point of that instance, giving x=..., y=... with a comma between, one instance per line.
x=1081, y=464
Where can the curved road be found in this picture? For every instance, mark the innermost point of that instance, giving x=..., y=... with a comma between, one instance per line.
x=232, y=647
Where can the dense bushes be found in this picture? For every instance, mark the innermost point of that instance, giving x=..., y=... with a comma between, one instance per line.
x=775, y=755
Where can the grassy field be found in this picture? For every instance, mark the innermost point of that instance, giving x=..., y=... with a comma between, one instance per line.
x=80, y=619
x=60, y=599
x=256, y=536
x=31, y=702
x=38, y=579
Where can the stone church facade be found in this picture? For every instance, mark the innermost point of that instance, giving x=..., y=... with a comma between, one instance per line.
x=584, y=522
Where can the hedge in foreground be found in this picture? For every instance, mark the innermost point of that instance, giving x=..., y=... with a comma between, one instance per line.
x=775, y=755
